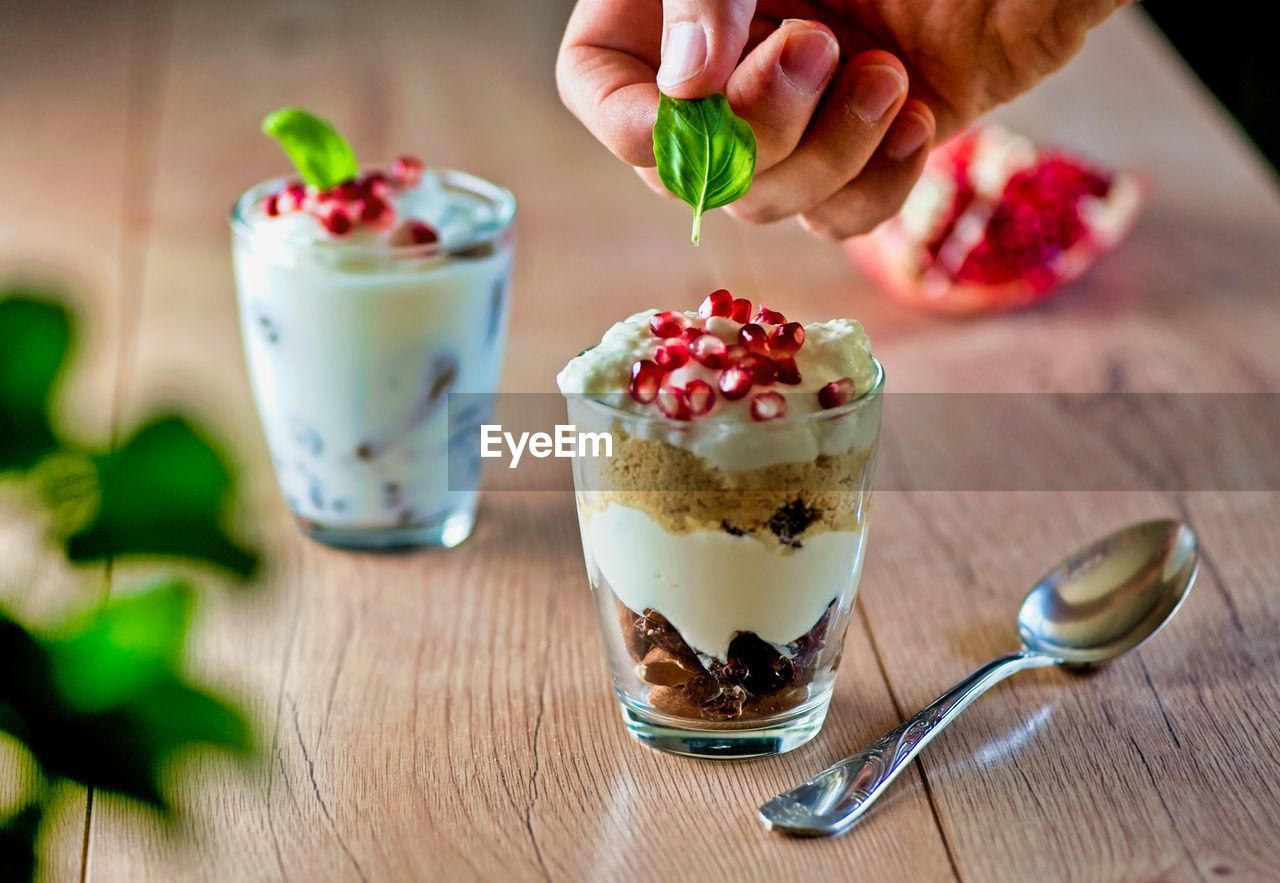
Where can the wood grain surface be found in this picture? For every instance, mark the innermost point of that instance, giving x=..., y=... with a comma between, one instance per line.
x=448, y=715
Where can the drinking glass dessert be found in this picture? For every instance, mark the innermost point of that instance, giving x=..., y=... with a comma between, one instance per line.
x=366, y=297
x=724, y=534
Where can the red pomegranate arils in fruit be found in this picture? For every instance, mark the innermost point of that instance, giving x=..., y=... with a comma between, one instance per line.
x=786, y=369
x=735, y=353
x=735, y=382
x=762, y=369
x=717, y=303
x=766, y=316
x=673, y=403
x=787, y=338
x=754, y=338
x=836, y=393
x=272, y=205
x=671, y=354
x=768, y=406
x=407, y=170
x=693, y=332
x=741, y=310
x=646, y=378
x=668, y=324
x=700, y=396
x=708, y=350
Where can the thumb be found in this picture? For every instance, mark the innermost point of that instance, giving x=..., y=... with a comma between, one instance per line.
x=702, y=41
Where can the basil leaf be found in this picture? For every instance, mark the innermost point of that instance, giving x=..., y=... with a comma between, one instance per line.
x=323, y=158
x=705, y=154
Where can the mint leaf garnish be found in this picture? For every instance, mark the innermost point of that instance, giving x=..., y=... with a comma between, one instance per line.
x=323, y=158
x=706, y=155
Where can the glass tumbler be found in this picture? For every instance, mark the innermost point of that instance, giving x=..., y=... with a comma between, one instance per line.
x=353, y=348
x=724, y=558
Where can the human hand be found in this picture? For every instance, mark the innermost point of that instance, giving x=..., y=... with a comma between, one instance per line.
x=843, y=110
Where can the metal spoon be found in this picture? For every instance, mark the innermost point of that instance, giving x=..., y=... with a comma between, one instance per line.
x=1104, y=600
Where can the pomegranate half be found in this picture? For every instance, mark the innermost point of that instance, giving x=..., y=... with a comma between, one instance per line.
x=996, y=223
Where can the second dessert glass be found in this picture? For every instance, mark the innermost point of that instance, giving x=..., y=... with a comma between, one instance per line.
x=724, y=593
x=353, y=348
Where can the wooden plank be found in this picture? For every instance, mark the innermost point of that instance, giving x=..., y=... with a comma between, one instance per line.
x=429, y=712
x=74, y=100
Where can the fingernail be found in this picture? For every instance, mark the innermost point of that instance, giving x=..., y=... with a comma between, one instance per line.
x=910, y=132
x=684, y=54
x=808, y=58
x=876, y=88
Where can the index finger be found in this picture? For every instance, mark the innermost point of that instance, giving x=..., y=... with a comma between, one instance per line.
x=607, y=74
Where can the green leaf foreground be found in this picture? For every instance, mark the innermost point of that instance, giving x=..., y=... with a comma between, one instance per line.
x=322, y=157
x=706, y=155
x=166, y=491
x=35, y=338
x=101, y=698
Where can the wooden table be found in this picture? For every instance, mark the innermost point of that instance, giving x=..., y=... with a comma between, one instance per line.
x=448, y=715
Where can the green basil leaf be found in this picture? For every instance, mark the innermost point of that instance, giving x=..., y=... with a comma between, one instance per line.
x=323, y=158
x=705, y=154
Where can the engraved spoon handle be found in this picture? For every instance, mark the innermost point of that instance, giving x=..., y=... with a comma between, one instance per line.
x=834, y=800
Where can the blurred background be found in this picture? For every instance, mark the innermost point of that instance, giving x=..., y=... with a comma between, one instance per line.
x=1235, y=56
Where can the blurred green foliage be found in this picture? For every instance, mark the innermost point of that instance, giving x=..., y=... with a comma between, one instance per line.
x=100, y=698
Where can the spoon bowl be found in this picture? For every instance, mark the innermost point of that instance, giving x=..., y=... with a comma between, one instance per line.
x=1102, y=601
x=1112, y=595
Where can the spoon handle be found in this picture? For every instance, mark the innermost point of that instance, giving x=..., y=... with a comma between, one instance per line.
x=834, y=800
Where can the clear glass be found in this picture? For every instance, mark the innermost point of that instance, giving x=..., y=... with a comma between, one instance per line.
x=724, y=589
x=353, y=348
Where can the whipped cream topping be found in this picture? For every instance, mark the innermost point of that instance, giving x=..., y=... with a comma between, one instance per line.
x=459, y=209
x=832, y=350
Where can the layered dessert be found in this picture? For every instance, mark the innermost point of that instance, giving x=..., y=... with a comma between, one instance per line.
x=724, y=536
x=364, y=304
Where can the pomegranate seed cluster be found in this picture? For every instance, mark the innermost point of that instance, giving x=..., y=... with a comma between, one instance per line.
x=365, y=202
x=763, y=355
x=1036, y=217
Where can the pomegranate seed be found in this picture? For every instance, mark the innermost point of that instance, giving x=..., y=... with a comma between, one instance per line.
x=787, y=338
x=741, y=310
x=754, y=338
x=717, y=303
x=708, y=350
x=372, y=208
x=700, y=397
x=672, y=402
x=646, y=377
x=407, y=170
x=735, y=353
x=761, y=367
x=336, y=220
x=668, y=324
x=348, y=191
x=768, y=406
x=735, y=382
x=693, y=332
x=671, y=354
x=787, y=370
x=766, y=316
x=296, y=196
x=836, y=393
x=272, y=205
x=422, y=233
